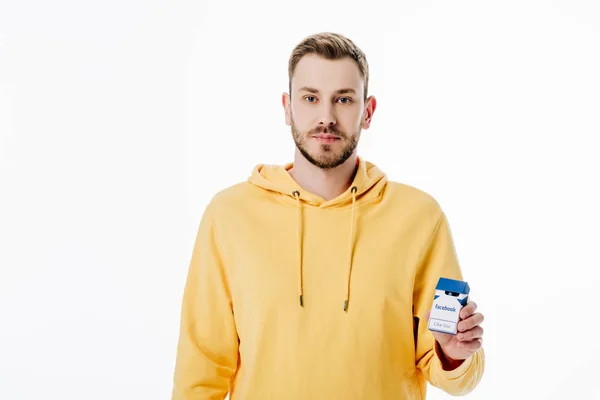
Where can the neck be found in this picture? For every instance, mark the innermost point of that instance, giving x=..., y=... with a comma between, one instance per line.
x=326, y=183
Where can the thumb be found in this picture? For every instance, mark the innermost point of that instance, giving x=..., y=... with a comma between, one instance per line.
x=442, y=338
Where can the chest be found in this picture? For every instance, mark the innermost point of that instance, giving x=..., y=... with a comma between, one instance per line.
x=317, y=255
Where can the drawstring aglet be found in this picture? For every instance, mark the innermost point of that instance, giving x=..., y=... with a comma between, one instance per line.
x=301, y=302
x=346, y=305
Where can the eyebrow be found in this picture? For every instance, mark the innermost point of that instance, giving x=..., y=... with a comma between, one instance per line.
x=339, y=91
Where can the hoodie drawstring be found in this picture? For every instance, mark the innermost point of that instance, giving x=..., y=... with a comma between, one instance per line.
x=351, y=245
x=296, y=195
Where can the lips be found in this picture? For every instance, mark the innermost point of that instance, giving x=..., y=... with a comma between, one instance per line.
x=326, y=137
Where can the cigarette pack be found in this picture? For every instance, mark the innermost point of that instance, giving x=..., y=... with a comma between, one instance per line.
x=450, y=297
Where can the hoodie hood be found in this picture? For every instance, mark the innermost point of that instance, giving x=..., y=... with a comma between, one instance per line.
x=369, y=181
x=367, y=184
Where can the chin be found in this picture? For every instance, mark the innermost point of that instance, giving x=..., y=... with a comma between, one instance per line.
x=328, y=159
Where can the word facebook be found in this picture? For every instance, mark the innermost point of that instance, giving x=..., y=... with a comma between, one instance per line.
x=444, y=308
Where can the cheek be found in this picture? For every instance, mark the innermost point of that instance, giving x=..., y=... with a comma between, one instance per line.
x=350, y=118
x=302, y=120
x=301, y=113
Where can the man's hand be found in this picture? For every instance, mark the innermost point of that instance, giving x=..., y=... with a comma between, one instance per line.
x=468, y=339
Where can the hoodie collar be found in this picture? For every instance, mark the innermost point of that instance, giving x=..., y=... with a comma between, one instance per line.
x=369, y=181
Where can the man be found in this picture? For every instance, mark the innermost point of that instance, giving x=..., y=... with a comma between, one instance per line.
x=314, y=280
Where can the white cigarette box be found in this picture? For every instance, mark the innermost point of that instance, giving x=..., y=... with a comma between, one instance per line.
x=450, y=297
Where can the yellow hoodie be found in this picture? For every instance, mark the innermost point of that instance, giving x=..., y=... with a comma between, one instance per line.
x=289, y=296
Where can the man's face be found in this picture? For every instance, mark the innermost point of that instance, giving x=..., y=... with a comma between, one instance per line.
x=326, y=110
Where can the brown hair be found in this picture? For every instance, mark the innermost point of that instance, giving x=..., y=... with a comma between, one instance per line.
x=331, y=46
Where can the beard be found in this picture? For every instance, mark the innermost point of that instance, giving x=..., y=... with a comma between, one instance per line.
x=328, y=156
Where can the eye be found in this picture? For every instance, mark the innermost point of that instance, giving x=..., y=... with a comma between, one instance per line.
x=345, y=98
x=310, y=97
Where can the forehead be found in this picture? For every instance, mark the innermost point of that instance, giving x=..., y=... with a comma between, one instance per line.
x=327, y=75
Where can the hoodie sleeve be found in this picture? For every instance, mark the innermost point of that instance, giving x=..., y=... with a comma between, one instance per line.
x=439, y=259
x=207, y=351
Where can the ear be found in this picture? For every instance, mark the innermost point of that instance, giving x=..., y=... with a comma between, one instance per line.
x=286, y=102
x=370, y=106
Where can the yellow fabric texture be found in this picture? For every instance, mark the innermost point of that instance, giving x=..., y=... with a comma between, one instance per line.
x=289, y=296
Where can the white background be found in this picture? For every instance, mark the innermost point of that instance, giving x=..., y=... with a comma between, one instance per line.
x=120, y=119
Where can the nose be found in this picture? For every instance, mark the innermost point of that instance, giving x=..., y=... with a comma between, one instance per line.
x=327, y=117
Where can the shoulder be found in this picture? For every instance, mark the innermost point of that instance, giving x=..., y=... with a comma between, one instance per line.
x=423, y=207
x=231, y=198
x=412, y=195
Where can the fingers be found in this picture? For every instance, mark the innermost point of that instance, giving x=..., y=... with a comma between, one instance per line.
x=474, y=333
x=470, y=322
x=473, y=345
x=442, y=338
x=468, y=310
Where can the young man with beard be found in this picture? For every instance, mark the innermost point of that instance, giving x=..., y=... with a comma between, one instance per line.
x=314, y=279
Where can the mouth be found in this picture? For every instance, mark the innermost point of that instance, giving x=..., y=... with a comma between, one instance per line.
x=326, y=138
